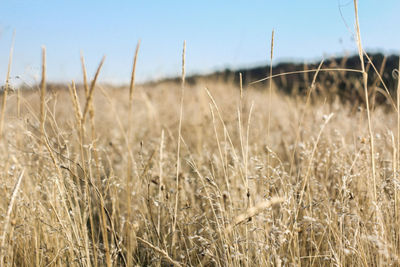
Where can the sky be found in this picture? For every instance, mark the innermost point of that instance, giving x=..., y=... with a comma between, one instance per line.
x=219, y=35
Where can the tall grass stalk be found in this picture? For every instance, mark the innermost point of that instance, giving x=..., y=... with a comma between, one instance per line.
x=133, y=74
x=270, y=96
x=129, y=175
x=396, y=160
x=178, y=160
x=43, y=93
x=91, y=90
x=86, y=195
x=6, y=88
x=366, y=95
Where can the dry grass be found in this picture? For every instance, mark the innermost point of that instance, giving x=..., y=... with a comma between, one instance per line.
x=68, y=202
x=203, y=175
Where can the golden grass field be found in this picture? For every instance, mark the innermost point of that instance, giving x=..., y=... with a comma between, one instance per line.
x=203, y=175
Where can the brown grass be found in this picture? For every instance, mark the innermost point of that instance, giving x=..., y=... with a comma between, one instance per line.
x=201, y=175
x=328, y=209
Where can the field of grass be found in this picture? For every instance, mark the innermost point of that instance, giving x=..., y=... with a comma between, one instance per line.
x=202, y=175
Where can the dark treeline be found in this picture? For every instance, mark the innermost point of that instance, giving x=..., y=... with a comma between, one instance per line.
x=346, y=85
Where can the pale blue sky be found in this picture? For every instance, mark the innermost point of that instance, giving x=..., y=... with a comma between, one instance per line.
x=219, y=34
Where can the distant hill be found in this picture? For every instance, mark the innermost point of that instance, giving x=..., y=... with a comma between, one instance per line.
x=330, y=85
x=347, y=85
